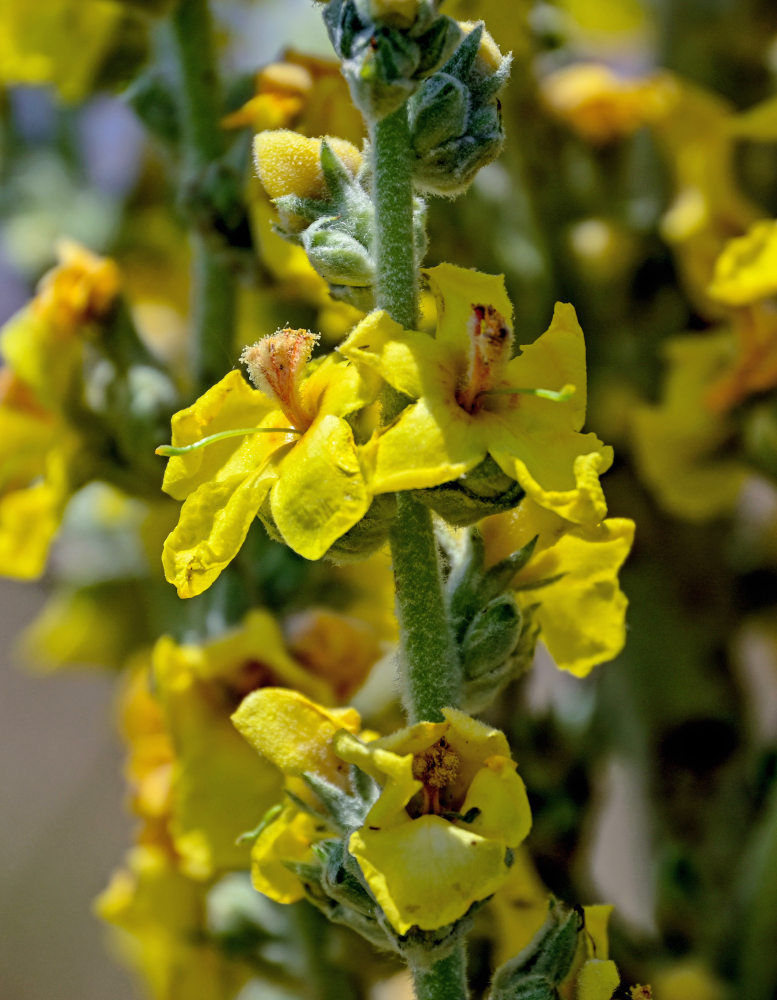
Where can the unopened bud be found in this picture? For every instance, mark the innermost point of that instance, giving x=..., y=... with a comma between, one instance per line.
x=337, y=257
x=290, y=164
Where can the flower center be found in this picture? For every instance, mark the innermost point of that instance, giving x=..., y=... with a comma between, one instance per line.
x=491, y=341
x=276, y=366
x=252, y=675
x=436, y=768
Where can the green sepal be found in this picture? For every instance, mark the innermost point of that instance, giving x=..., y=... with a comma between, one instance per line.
x=545, y=961
x=438, y=113
x=368, y=534
x=343, y=811
x=336, y=255
x=339, y=880
x=483, y=491
x=491, y=637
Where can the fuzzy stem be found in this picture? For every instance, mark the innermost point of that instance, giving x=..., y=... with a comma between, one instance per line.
x=397, y=268
x=213, y=284
x=432, y=673
x=445, y=980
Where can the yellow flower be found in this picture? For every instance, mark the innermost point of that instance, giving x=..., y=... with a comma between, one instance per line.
x=746, y=270
x=306, y=93
x=309, y=466
x=296, y=736
x=708, y=207
x=471, y=400
x=150, y=755
x=38, y=41
x=220, y=786
x=158, y=918
x=451, y=806
x=677, y=443
x=439, y=836
x=43, y=343
x=35, y=447
x=602, y=106
x=581, y=610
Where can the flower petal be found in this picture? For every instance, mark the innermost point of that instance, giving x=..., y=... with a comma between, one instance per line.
x=213, y=524
x=425, y=447
x=428, y=872
x=582, y=614
x=555, y=359
x=402, y=357
x=558, y=471
x=294, y=732
x=500, y=795
x=457, y=290
x=288, y=838
x=230, y=404
x=321, y=491
x=598, y=980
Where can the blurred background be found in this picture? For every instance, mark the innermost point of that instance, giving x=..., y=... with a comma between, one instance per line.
x=655, y=778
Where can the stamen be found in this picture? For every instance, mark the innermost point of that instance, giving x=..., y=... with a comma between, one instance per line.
x=276, y=366
x=490, y=344
x=169, y=450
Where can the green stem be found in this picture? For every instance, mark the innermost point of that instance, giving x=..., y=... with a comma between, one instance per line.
x=430, y=660
x=432, y=673
x=397, y=269
x=445, y=980
x=213, y=284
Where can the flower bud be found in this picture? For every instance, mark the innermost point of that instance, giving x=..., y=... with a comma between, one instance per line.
x=387, y=47
x=455, y=121
x=545, y=962
x=290, y=164
x=338, y=257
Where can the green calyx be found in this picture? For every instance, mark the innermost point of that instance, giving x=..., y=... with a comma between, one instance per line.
x=495, y=637
x=385, y=54
x=455, y=121
x=536, y=972
x=336, y=232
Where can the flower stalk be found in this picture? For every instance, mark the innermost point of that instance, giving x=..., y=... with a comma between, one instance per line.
x=213, y=284
x=430, y=661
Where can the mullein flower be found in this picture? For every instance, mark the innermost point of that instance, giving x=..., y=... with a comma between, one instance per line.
x=37, y=43
x=679, y=442
x=194, y=781
x=451, y=809
x=288, y=439
x=744, y=282
x=440, y=834
x=39, y=445
x=601, y=106
x=470, y=399
x=569, y=585
x=158, y=919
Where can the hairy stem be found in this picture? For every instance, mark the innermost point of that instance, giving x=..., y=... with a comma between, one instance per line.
x=445, y=980
x=213, y=284
x=432, y=676
x=397, y=268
